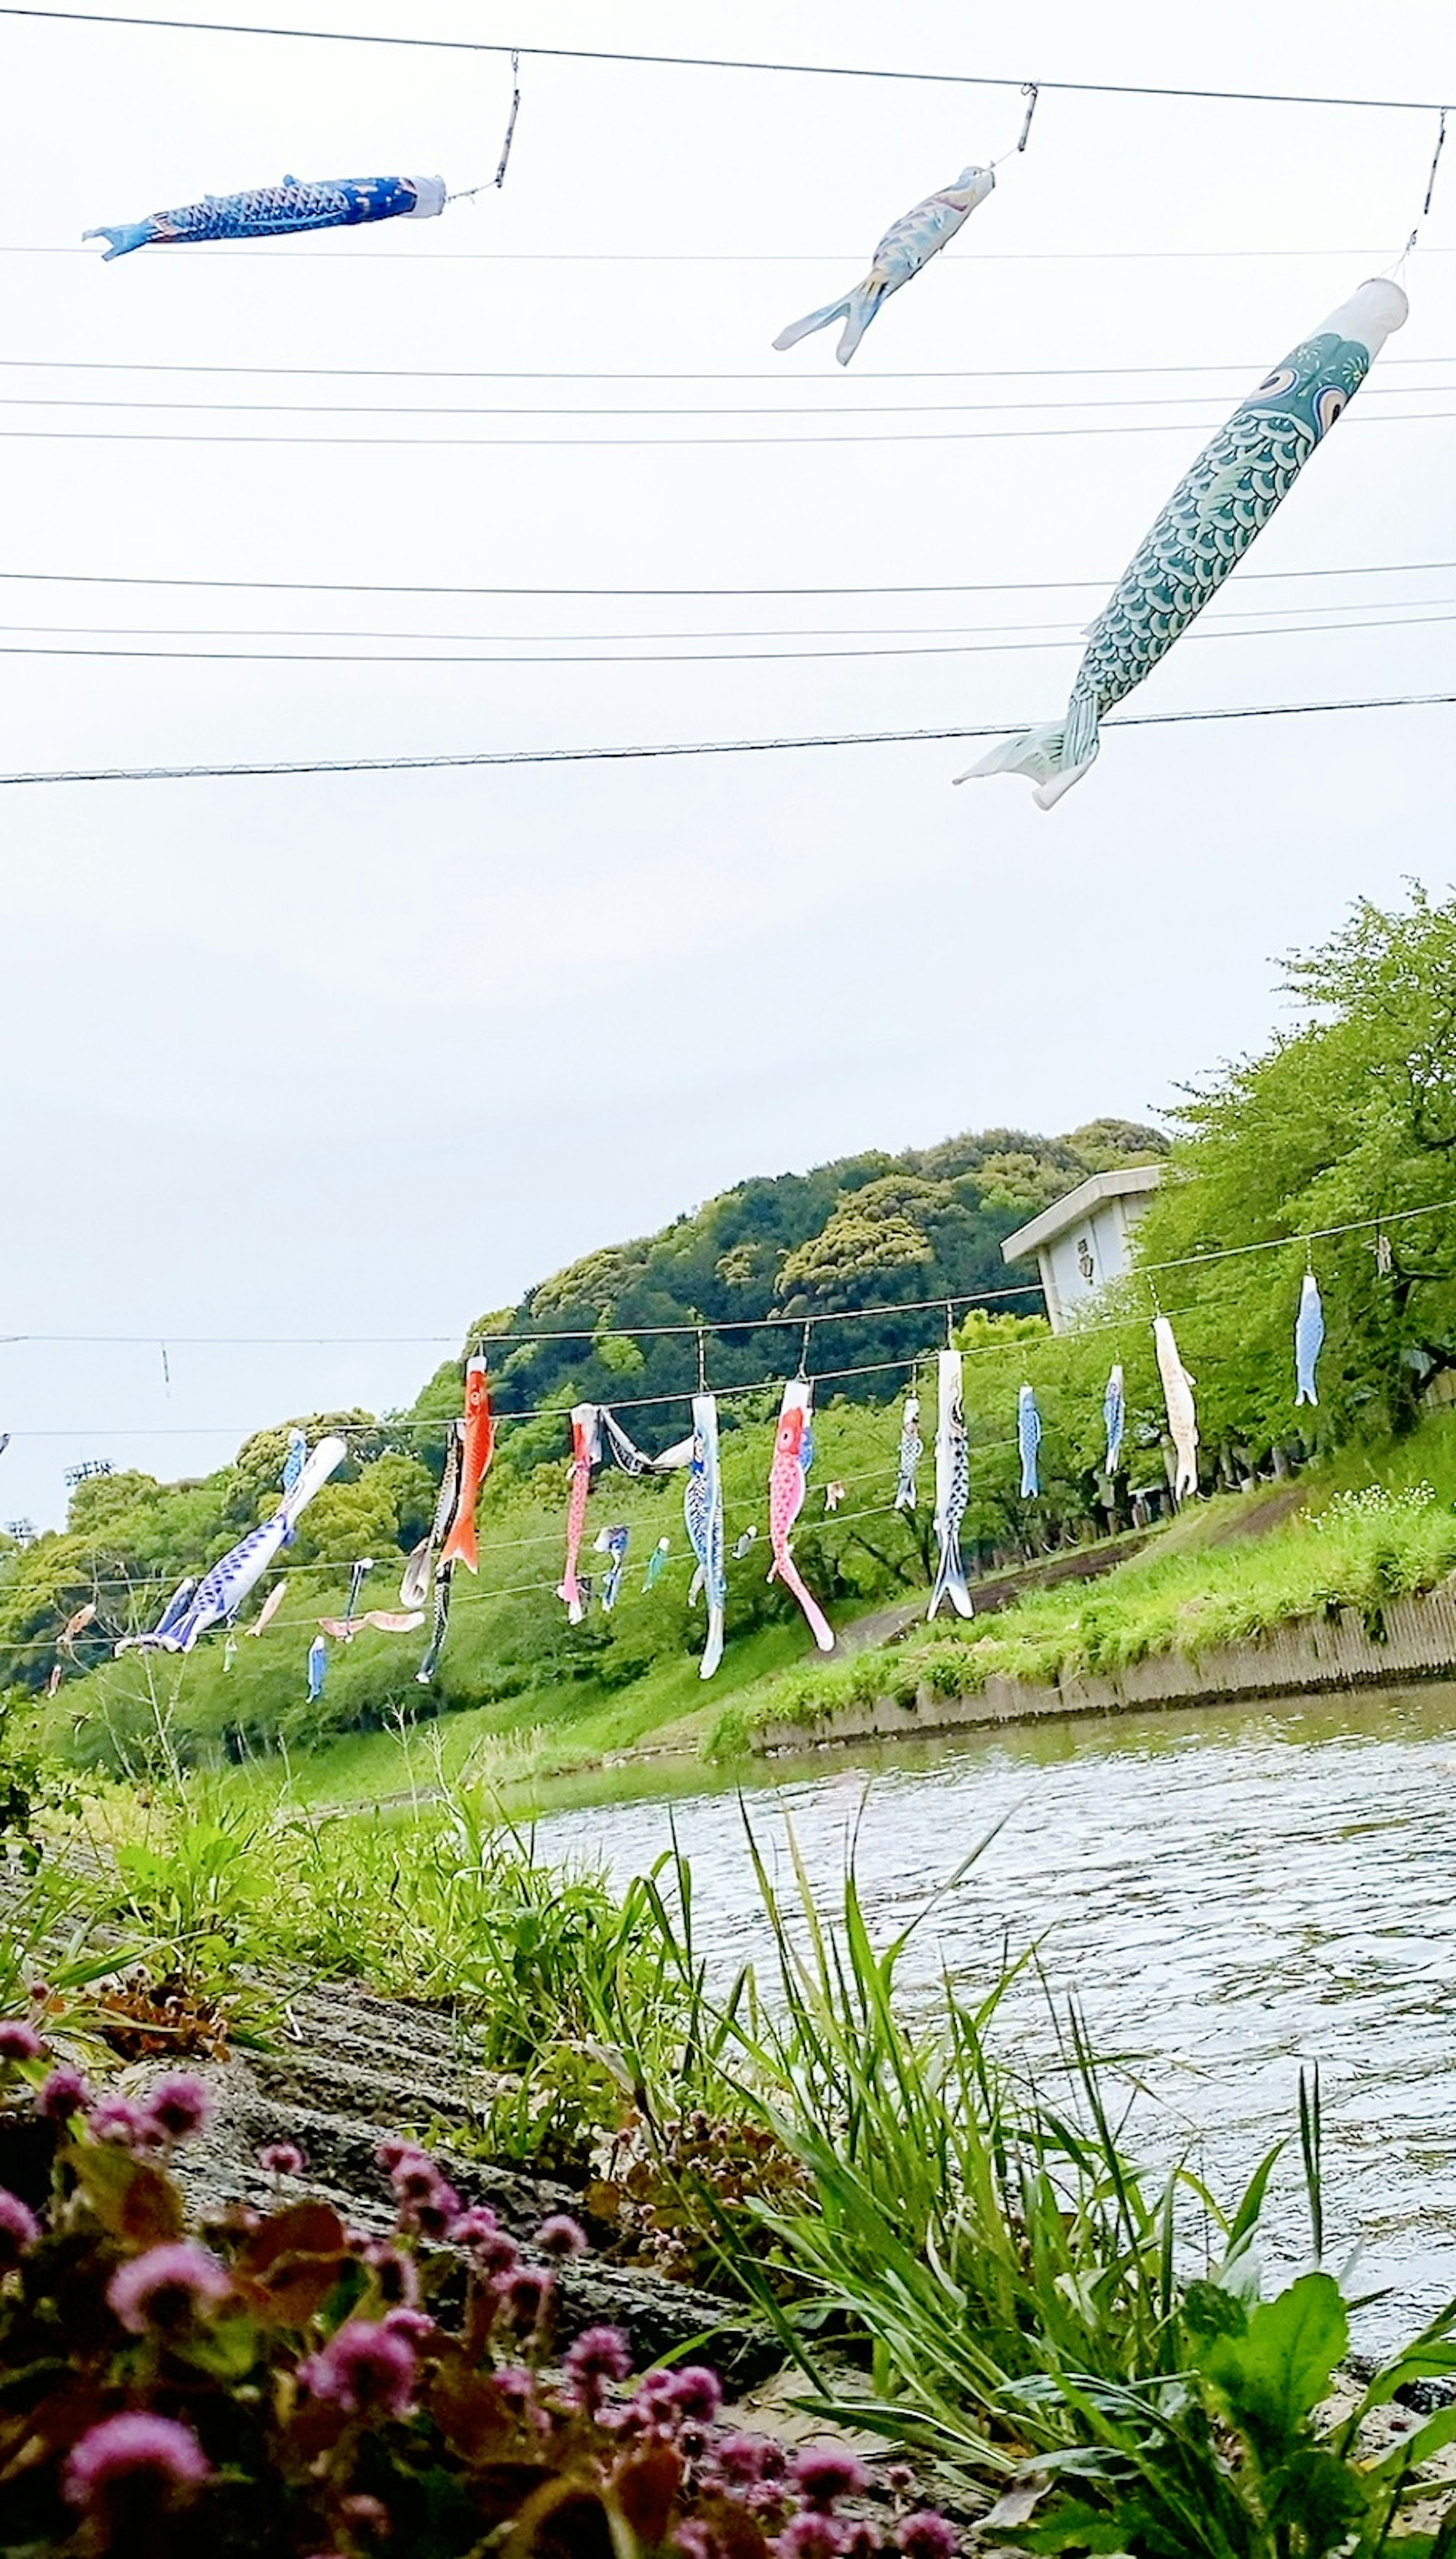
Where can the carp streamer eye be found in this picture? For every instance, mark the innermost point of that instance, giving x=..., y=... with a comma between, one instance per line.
x=1283, y=379
x=1328, y=407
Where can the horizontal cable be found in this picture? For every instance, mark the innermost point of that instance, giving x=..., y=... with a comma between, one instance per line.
x=496, y=758
x=774, y=410
x=286, y=247
x=456, y=373
x=708, y=62
x=466, y=657
x=647, y=443
x=1416, y=605
x=993, y=586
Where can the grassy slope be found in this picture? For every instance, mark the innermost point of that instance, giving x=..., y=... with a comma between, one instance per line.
x=1199, y=1586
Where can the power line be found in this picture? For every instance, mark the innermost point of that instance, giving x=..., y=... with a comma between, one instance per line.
x=491, y=759
x=647, y=443
x=704, y=409
x=713, y=62
x=1413, y=605
x=1004, y=586
x=458, y=374
x=644, y=443
x=287, y=246
x=465, y=656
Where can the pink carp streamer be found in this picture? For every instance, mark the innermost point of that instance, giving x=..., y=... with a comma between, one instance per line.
x=792, y=1456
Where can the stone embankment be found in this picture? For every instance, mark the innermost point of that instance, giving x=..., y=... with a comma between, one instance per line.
x=1308, y=1657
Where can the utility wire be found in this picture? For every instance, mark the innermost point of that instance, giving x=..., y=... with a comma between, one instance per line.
x=712, y=61
x=465, y=656
x=969, y=1300
x=650, y=444
x=704, y=409
x=455, y=373
x=492, y=759
x=617, y=595
x=287, y=246
x=1411, y=604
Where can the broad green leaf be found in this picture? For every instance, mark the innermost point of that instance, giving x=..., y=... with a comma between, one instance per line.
x=1276, y=2373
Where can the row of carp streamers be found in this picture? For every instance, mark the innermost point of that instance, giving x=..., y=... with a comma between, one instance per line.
x=196, y=1607
x=1200, y=537
x=952, y=1454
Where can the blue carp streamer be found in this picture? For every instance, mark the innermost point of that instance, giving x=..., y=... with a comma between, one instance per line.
x=613, y=1542
x=902, y=251
x=1115, y=1419
x=1202, y=532
x=263, y=213
x=912, y=1449
x=1309, y=1339
x=1027, y=1440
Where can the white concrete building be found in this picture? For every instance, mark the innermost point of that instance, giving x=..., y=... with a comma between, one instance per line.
x=1081, y=1242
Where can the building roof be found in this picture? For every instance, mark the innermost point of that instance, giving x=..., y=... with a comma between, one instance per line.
x=1121, y=1183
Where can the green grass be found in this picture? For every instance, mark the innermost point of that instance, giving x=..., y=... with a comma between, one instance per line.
x=1368, y=1531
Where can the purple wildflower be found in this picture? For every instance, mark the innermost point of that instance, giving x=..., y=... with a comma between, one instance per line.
x=395, y=2275
x=694, y=2540
x=523, y=2297
x=823, y=2475
x=927, y=2536
x=18, y=2041
x=18, y=2229
x=561, y=2236
x=116, y=2119
x=493, y=2251
x=598, y=2356
x=178, y=2106
x=740, y=2459
x=62, y=2095
x=697, y=2393
x=427, y=2201
x=282, y=2159
x=132, y=2462
x=366, y=2365
x=899, y=2477
x=392, y=2149
x=515, y=2384
x=167, y=2288
x=811, y=2535
x=406, y=2322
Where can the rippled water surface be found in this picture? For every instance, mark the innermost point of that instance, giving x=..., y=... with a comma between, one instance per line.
x=1228, y=1894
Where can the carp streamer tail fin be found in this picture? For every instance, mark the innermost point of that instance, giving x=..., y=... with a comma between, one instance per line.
x=122, y=236
x=813, y=320
x=860, y=310
x=713, y=1648
x=1053, y=755
x=950, y=1584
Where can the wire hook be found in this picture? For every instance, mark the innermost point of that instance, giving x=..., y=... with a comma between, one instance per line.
x=804, y=1351
x=1030, y=93
x=703, y=1362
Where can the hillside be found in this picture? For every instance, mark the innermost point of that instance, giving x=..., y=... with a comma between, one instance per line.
x=868, y=1230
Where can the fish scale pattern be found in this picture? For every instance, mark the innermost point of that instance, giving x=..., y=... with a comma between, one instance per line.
x=1197, y=542
x=295, y=205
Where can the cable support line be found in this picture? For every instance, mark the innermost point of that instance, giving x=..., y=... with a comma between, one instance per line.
x=1406, y=605
x=455, y=373
x=464, y=657
x=655, y=594
x=650, y=444
x=493, y=759
x=286, y=247
x=1375, y=1222
x=428, y=371
x=715, y=62
x=776, y=408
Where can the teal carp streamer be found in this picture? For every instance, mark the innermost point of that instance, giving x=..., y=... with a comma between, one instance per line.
x=1202, y=532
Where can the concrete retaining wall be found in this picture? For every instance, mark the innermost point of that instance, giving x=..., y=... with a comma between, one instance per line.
x=1311, y=1654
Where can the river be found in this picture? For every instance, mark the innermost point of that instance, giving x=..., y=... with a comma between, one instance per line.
x=1228, y=1893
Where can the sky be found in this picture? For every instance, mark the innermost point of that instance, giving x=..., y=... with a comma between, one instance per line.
x=300, y=1076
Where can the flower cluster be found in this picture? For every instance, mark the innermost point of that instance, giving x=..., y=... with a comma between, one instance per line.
x=280, y=2380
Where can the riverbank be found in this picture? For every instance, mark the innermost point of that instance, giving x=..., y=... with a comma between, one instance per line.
x=1245, y=1597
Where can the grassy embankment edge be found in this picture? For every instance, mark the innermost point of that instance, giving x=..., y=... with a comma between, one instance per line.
x=1369, y=1527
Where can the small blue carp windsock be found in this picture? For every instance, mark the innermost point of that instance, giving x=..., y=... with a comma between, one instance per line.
x=318, y=1668
x=902, y=251
x=657, y=1563
x=612, y=1542
x=1309, y=1339
x=261, y=213
x=1115, y=1419
x=298, y=1449
x=912, y=1449
x=1204, y=530
x=1027, y=1440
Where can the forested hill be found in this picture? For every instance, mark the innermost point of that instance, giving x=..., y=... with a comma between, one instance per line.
x=871, y=1230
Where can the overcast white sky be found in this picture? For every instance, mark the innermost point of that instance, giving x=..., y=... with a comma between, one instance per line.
x=367, y=1056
